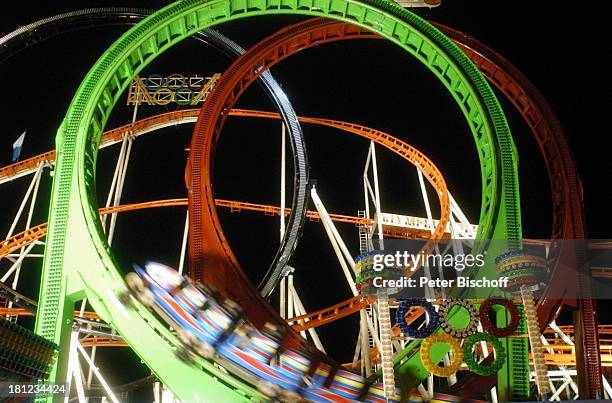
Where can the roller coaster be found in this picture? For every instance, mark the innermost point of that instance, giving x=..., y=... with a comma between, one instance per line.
x=206, y=332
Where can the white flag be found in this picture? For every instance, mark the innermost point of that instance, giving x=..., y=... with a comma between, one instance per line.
x=17, y=146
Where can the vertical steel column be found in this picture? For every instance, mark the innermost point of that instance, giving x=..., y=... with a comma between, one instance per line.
x=116, y=176
x=184, y=244
x=570, y=381
x=338, y=249
x=283, y=284
x=90, y=372
x=119, y=188
x=429, y=293
x=338, y=245
x=24, y=251
x=74, y=369
x=588, y=358
x=377, y=195
x=24, y=202
x=384, y=319
x=96, y=371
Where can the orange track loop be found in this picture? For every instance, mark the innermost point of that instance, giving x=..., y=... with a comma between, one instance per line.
x=211, y=258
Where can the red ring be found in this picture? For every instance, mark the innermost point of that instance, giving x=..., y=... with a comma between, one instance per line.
x=489, y=326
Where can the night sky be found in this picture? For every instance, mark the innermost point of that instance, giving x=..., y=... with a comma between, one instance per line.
x=370, y=82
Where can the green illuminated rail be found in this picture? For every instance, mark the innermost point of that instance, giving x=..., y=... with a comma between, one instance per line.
x=78, y=261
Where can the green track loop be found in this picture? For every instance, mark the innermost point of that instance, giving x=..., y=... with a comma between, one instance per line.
x=78, y=261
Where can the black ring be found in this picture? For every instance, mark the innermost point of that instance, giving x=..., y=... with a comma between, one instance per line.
x=444, y=310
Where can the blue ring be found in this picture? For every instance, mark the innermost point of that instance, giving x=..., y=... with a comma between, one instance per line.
x=411, y=331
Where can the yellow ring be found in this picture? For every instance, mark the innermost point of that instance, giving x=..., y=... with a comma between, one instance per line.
x=429, y=365
x=163, y=96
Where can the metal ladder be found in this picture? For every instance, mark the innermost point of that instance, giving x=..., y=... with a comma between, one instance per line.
x=363, y=233
x=371, y=344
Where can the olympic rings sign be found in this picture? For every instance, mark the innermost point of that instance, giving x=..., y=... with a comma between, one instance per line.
x=157, y=89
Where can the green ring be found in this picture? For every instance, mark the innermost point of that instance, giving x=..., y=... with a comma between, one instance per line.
x=184, y=90
x=477, y=368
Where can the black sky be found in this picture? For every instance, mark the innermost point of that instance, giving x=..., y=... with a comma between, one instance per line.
x=367, y=82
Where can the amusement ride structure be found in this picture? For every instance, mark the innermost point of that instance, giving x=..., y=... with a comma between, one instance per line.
x=85, y=304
